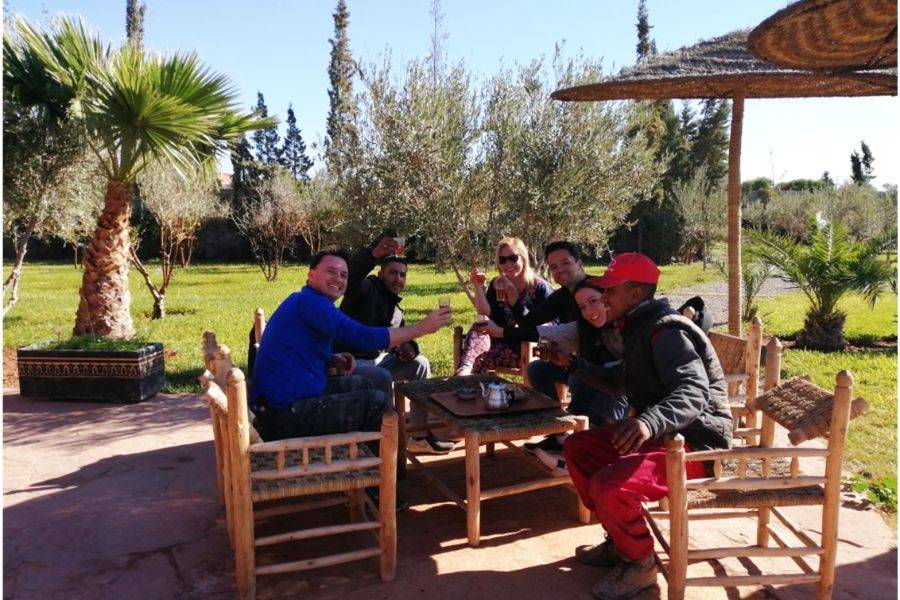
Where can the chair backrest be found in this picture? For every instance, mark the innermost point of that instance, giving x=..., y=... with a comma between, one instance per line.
x=259, y=325
x=216, y=358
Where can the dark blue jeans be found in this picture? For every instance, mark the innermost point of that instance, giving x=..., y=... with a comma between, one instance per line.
x=599, y=407
x=348, y=404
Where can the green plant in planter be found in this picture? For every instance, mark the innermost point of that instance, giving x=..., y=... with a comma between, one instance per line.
x=826, y=266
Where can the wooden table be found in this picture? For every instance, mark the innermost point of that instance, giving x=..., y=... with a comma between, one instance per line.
x=482, y=430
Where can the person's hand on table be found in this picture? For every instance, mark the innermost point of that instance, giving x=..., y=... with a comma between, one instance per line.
x=386, y=247
x=629, y=435
x=490, y=328
x=343, y=361
x=405, y=352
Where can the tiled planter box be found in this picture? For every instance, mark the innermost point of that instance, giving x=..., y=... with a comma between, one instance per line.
x=111, y=375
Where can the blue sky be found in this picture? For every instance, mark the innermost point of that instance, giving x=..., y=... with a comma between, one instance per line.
x=280, y=47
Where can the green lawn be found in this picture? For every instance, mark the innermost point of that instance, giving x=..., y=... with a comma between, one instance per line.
x=222, y=298
x=782, y=315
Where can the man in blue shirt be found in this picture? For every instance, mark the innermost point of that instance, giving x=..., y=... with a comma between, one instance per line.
x=291, y=395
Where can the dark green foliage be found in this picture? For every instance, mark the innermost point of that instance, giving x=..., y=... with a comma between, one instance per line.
x=861, y=165
x=266, y=140
x=645, y=45
x=803, y=185
x=827, y=181
x=134, y=22
x=340, y=132
x=96, y=343
x=760, y=189
x=293, y=151
x=709, y=146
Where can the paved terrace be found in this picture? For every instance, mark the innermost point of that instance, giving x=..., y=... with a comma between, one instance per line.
x=120, y=501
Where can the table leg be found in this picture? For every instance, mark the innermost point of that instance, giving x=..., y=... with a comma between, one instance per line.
x=400, y=407
x=584, y=514
x=473, y=489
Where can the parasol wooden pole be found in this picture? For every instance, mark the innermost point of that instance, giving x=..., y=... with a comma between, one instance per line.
x=734, y=215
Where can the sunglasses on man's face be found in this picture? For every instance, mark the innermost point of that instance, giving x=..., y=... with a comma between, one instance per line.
x=502, y=260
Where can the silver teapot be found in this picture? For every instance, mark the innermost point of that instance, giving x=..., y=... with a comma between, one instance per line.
x=495, y=397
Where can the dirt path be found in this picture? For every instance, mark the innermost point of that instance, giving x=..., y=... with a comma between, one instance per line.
x=715, y=295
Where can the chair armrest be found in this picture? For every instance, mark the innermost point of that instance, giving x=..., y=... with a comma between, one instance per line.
x=317, y=441
x=745, y=453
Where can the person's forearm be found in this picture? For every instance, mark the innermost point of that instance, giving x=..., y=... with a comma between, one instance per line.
x=400, y=335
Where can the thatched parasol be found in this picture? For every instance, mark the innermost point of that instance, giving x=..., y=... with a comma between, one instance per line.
x=831, y=35
x=723, y=68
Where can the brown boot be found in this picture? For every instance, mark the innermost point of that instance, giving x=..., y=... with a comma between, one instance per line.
x=601, y=555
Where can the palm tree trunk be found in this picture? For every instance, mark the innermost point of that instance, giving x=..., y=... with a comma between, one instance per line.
x=104, y=308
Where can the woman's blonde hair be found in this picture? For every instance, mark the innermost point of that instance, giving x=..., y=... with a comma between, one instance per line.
x=521, y=249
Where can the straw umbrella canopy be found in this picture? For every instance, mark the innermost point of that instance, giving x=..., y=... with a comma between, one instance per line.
x=831, y=35
x=723, y=68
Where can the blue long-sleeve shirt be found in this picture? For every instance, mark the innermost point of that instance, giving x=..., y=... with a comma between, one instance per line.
x=296, y=347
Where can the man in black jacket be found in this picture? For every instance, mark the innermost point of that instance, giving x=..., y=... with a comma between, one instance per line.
x=374, y=300
x=674, y=381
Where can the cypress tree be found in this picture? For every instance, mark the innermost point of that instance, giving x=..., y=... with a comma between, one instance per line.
x=340, y=129
x=134, y=22
x=867, y=160
x=645, y=46
x=709, y=146
x=265, y=141
x=293, y=152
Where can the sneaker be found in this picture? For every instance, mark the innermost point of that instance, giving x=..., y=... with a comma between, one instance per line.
x=429, y=444
x=626, y=579
x=551, y=443
x=555, y=461
x=601, y=555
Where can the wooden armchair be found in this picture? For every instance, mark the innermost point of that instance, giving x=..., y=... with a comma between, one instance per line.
x=806, y=411
x=526, y=354
x=251, y=472
x=259, y=325
x=740, y=361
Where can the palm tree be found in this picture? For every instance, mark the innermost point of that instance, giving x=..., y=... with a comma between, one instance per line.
x=135, y=109
x=826, y=267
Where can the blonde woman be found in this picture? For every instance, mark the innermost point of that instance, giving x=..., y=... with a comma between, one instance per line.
x=510, y=296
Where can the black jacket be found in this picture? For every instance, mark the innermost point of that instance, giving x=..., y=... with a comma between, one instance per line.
x=368, y=301
x=559, y=306
x=671, y=376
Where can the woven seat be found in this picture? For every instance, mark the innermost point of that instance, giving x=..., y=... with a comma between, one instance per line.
x=803, y=408
x=271, y=489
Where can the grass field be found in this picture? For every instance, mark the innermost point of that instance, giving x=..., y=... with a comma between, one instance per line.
x=222, y=298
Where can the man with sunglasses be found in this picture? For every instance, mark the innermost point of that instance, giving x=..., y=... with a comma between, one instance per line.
x=675, y=384
x=374, y=300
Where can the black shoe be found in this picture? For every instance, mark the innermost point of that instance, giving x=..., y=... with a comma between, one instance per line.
x=548, y=444
x=375, y=497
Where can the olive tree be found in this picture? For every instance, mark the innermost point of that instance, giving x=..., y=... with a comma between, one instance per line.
x=276, y=213
x=179, y=204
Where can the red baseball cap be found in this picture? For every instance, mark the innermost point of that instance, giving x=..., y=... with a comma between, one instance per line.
x=629, y=266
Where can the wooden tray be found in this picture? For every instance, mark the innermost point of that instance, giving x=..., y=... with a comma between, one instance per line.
x=475, y=408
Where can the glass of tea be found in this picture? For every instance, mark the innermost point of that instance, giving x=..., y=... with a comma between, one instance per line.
x=401, y=246
x=500, y=289
x=444, y=302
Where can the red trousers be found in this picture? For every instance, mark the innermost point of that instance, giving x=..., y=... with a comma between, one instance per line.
x=614, y=486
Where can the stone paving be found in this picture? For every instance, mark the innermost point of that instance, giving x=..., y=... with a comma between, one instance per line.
x=120, y=501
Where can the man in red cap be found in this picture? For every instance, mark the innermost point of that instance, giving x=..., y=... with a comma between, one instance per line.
x=674, y=384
